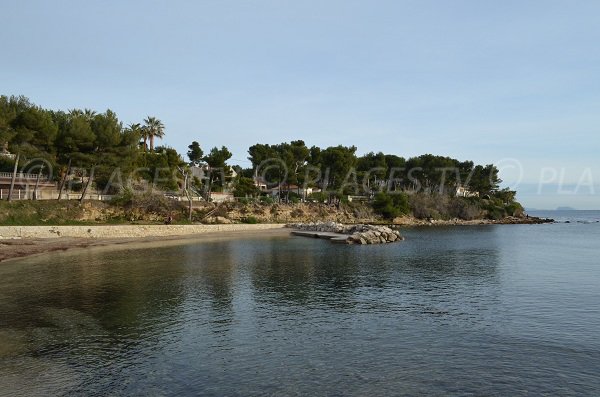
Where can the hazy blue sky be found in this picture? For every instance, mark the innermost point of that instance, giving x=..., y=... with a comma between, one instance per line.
x=480, y=80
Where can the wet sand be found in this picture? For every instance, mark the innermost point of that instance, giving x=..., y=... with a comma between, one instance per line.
x=12, y=249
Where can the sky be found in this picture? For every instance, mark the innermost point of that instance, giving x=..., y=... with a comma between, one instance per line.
x=513, y=83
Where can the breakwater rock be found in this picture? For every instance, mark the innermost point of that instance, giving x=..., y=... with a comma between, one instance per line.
x=349, y=234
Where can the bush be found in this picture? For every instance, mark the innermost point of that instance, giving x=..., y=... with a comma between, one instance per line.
x=319, y=197
x=43, y=212
x=147, y=202
x=267, y=200
x=420, y=205
x=297, y=213
x=514, y=209
x=496, y=213
x=391, y=206
x=400, y=201
x=123, y=198
x=250, y=220
x=441, y=206
x=463, y=208
x=244, y=200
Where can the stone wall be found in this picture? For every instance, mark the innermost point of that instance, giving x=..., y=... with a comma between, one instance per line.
x=124, y=231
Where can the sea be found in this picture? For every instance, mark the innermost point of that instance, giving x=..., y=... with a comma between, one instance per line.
x=490, y=310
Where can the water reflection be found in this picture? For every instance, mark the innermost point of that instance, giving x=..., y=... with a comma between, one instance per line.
x=236, y=316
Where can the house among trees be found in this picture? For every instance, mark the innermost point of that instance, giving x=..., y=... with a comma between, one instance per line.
x=26, y=186
x=462, y=191
x=5, y=153
x=299, y=190
x=260, y=183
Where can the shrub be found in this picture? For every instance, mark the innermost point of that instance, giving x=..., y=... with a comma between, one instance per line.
x=297, y=213
x=250, y=220
x=514, y=209
x=400, y=201
x=390, y=206
x=496, y=213
x=267, y=200
x=123, y=198
x=463, y=208
x=319, y=197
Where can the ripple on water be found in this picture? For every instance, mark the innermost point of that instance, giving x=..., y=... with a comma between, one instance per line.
x=467, y=311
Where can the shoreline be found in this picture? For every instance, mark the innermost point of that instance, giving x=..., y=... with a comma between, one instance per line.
x=17, y=242
x=410, y=221
x=22, y=241
x=124, y=231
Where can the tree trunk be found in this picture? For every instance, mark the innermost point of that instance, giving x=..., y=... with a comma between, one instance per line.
x=190, y=207
x=37, y=184
x=208, y=193
x=87, y=185
x=188, y=193
x=151, y=143
x=187, y=190
x=64, y=180
x=14, y=176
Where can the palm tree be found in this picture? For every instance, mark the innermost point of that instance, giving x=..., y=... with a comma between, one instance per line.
x=137, y=129
x=154, y=129
x=89, y=114
x=75, y=112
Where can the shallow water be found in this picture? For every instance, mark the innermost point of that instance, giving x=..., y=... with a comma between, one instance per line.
x=490, y=310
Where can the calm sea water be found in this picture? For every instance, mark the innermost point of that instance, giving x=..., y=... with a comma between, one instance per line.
x=456, y=311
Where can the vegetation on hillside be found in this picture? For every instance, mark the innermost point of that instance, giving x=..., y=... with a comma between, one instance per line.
x=126, y=159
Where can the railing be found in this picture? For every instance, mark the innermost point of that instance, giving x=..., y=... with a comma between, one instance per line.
x=17, y=194
x=29, y=194
x=21, y=176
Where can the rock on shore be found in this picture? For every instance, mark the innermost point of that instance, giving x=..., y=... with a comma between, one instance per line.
x=356, y=234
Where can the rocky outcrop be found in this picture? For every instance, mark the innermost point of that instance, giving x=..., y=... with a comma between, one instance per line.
x=350, y=234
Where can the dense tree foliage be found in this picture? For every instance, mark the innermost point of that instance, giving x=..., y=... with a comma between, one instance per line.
x=391, y=205
x=83, y=139
x=195, y=153
x=79, y=140
x=217, y=169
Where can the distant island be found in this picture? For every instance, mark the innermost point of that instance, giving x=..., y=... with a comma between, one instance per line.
x=565, y=209
x=82, y=166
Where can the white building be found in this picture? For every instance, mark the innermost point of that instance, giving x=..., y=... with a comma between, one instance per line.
x=462, y=191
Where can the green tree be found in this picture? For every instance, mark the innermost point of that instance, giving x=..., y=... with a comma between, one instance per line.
x=266, y=161
x=395, y=171
x=107, y=128
x=338, y=162
x=35, y=127
x=217, y=167
x=244, y=187
x=76, y=136
x=154, y=129
x=195, y=153
x=484, y=179
x=391, y=205
x=372, y=169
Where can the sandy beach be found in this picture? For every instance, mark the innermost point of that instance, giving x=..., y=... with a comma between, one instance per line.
x=22, y=241
x=15, y=247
